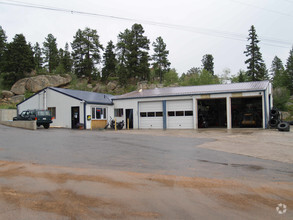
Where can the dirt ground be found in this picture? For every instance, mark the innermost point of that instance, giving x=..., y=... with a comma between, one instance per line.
x=32, y=191
x=36, y=191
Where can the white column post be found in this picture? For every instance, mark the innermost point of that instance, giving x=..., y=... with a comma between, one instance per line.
x=229, y=114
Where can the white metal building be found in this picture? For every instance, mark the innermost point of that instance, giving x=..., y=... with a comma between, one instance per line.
x=187, y=107
x=220, y=105
x=71, y=108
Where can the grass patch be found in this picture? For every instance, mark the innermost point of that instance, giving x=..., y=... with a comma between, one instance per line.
x=7, y=106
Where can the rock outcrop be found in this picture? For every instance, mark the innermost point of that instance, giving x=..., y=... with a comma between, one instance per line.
x=6, y=94
x=37, y=83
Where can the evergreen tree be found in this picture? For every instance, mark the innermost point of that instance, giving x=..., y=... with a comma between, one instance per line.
x=161, y=63
x=256, y=67
x=208, y=63
x=2, y=43
x=289, y=71
x=51, y=52
x=133, y=55
x=279, y=75
x=110, y=62
x=86, y=52
x=38, y=57
x=18, y=60
x=65, y=60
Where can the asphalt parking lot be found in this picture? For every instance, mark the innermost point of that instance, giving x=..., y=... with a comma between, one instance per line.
x=171, y=155
x=77, y=174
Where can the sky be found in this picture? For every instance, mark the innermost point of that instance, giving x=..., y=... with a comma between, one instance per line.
x=190, y=28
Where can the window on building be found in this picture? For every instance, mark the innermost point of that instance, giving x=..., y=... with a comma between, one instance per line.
x=180, y=113
x=143, y=114
x=118, y=112
x=188, y=113
x=52, y=110
x=99, y=113
x=159, y=114
x=171, y=114
x=151, y=114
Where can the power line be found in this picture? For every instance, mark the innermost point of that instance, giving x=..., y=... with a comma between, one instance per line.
x=205, y=31
x=265, y=9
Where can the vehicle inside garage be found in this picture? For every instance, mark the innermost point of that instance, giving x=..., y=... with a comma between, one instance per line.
x=246, y=112
x=212, y=113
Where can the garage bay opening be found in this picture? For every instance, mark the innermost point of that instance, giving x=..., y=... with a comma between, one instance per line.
x=247, y=112
x=212, y=113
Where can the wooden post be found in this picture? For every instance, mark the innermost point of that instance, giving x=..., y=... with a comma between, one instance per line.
x=127, y=123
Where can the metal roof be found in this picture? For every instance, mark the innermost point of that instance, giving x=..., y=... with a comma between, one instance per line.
x=196, y=90
x=89, y=97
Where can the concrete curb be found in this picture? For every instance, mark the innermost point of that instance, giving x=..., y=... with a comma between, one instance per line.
x=30, y=125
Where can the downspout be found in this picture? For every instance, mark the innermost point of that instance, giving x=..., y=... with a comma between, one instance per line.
x=84, y=114
x=138, y=115
x=45, y=100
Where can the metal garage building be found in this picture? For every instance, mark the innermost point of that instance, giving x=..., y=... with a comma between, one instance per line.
x=190, y=107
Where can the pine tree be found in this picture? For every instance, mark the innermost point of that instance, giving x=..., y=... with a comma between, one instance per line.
x=133, y=55
x=38, y=57
x=3, y=43
x=256, y=67
x=279, y=75
x=65, y=60
x=51, y=52
x=17, y=60
x=289, y=71
x=208, y=63
x=86, y=52
x=161, y=63
x=110, y=62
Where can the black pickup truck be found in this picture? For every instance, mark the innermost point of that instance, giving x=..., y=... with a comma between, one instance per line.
x=43, y=117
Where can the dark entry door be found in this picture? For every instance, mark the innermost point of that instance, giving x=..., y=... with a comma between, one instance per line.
x=129, y=115
x=74, y=117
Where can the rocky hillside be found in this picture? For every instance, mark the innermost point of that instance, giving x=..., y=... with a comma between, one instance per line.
x=32, y=85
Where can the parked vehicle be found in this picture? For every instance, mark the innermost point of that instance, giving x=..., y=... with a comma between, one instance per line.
x=43, y=117
x=111, y=122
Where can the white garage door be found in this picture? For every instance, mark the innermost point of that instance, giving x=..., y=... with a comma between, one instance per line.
x=151, y=115
x=179, y=114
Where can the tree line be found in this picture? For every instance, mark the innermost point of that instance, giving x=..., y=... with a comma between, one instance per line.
x=129, y=58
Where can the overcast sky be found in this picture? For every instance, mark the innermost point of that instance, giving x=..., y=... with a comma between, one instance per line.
x=217, y=27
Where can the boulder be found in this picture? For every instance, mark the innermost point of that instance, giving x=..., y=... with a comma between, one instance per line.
x=100, y=88
x=17, y=99
x=18, y=88
x=57, y=80
x=7, y=94
x=37, y=83
x=111, y=85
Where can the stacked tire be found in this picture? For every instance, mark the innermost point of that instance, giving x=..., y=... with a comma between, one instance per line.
x=274, y=118
x=275, y=121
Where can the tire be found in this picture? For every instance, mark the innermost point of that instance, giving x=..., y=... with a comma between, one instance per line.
x=273, y=123
x=46, y=126
x=274, y=112
x=284, y=126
